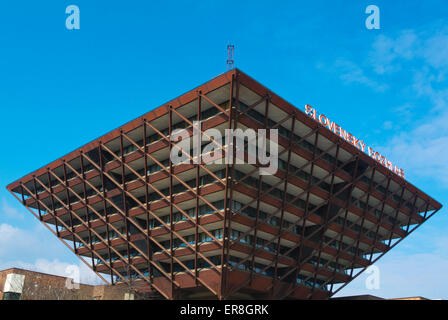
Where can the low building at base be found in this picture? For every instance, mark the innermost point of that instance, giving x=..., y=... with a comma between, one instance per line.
x=21, y=284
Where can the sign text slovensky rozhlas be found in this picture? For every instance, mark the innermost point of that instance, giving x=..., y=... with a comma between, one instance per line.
x=361, y=145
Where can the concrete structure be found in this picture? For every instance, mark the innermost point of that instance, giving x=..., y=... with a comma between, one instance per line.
x=203, y=230
x=16, y=283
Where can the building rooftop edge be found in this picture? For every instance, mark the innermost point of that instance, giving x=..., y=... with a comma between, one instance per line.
x=208, y=86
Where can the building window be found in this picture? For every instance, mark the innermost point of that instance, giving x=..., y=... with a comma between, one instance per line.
x=11, y=296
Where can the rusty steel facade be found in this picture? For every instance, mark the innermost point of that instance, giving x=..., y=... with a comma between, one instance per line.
x=221, y=230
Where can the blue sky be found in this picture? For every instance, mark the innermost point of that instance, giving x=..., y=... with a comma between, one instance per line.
x=60, y=89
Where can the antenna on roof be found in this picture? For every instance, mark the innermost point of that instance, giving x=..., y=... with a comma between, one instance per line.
x=230, y=57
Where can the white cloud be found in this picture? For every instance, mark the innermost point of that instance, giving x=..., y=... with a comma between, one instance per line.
x=405, y=274
x=56, y=267
x=10, y=211
x=17, y=244
x=422, y=274
x=416, y=267
x=349, y=72
x=420, y=59
x=435, y=50
x=386, y=51
x=423, y=150
x=388, y=125
x=389, y=54
x=13, y=239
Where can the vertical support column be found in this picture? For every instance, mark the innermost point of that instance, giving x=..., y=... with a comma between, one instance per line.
x=366, y=210
x=232, y=169
x=170, y=124
x=37, y=198
x=148, y=241
x=344, y=225
x=403, y=187
x=386, y=193
x=23, y=193
x=426, y=210
x=412, y=212
x=198, y=170
x=260, y=183
x=83, y=174
x=347, y=205
x=106, y=215
x=125, y=206
x=50, y=186
x=326, y=222
x=227, y=205
x=69, y=203
x=282, y=213
x=305, y=214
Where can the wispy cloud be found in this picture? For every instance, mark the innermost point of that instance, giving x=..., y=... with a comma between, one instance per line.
x=423, y=275
x=387, y=54
x=10, y=211
x=55, y=267
x=350, y=72
x=17, y=244
x=404, y=274
x=13, y=239
x=388, y=125
x=419, y=59
x=33, y=243
x=423, y=148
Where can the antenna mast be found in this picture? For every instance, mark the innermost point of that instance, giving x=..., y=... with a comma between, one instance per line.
x=230, y=57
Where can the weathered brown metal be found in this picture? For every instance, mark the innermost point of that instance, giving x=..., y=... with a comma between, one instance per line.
x=350, y=246
x=67, y=194
x=304, y=219
x=403, y=187
x=55, y=216
x=106, y=215
x=227, y=205
x=223, y=281
x=278, y=183
x=339, y=249
x=325, y=225
x=166, y=169
x=170, y=147
x=306, y=214
x=109, y=264
x=52, y=231
x=148, y=241
x=349, y=200
x=356, y=254
x=382, y=254
x=260, y=182
x=285, y=189
x=233, y=117
x=52, y=199
x=168, y=227
x=125, y=206
x=198, y=172
x=167, y=199
x=37, y=196
x=86, y=208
